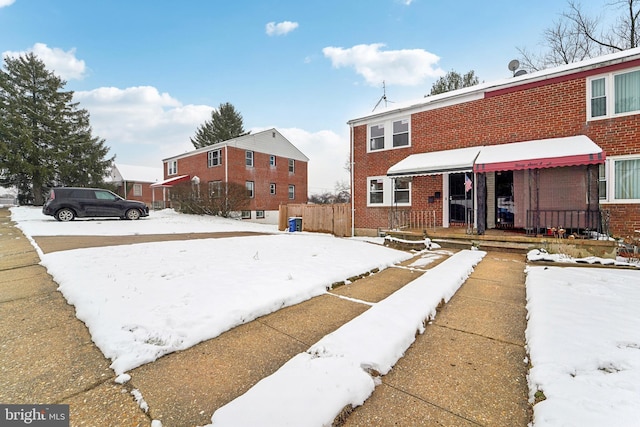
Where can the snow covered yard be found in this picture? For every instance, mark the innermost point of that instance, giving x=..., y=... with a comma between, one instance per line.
x=583, y=338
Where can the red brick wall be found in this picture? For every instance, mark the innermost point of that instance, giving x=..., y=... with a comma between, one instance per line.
x=146, y=196
x=262, y=174
x=551, y=109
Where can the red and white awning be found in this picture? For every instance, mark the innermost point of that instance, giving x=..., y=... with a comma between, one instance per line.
x=539, y=154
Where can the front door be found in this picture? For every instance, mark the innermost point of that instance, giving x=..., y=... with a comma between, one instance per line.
x=504, y=199
x=460, y=197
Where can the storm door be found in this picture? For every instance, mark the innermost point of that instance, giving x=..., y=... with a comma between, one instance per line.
x=460, y=197
x=504, y=199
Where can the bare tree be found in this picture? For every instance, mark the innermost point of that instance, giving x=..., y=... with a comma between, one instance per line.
x=577, y=36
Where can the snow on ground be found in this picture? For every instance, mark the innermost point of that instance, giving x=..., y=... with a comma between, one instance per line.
x=343, y=367
x=146, y=300
x=583, y=331
x=583, y=338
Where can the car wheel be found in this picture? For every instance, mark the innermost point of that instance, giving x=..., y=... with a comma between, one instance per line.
x=65, y=214
x=132, y=214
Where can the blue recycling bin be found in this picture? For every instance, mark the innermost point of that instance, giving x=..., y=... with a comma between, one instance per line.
x=295, y=224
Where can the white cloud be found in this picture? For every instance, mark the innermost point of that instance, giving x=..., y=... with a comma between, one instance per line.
x=141, y=125
x=63, y=64
x=405, y=67
x=281, y=28
x=4, y=3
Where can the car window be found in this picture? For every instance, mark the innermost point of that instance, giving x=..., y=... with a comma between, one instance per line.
x=82, y=194
x=105, y=195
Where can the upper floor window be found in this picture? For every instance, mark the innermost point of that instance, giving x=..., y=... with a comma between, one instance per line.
x=292, y=166
x=400, y=133
x=390, y=134
x=249, y=158
x=172, y=167
x=614, y=94
x=272, y=161
x=214, y=158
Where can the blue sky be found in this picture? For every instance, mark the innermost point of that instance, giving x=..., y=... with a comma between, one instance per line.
x=151, y=71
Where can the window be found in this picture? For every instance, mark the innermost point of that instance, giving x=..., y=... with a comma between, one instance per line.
x=614, y=94
x=602, y=182
x=215, y=189
x=401, y=133
x=402, y=191
x=214, y=158
x=249, y=158
x=385, y=191
x=292, y=192
x=137, y=190
x=391, y=134
x=260, y=214
x=621, y=179
x=245, y=214
x=272, y=188
x=250, y=187
x=172, y=167
x=376, y=191
x=272, y=161
x=627, y=179
x=376, y=137
x=292, y=166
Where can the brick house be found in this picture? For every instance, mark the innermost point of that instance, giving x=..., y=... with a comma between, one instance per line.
x=133, y=182
x=272, y=169
x=555, y=148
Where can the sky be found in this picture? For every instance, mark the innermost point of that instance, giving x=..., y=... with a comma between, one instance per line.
x=150, y=72
x=582, y=336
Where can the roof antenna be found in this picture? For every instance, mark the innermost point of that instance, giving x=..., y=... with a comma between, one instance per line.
x=383, y=97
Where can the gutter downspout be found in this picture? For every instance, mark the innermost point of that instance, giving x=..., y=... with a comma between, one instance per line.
x=353, y=209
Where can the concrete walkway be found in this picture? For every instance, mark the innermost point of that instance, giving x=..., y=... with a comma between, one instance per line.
x=466, y=369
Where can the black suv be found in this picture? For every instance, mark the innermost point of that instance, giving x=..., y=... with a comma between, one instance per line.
x=66, y=203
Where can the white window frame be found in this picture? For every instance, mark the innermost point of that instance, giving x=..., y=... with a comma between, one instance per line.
x=137, y=190
x=251, y=189
x=610, y=177
x=245, y=214
x=272, y=161
x=292, y=192
x=292, y=166
x=215, y=189
x=248, y=156
x=272, y=188
x=388, y=134
x=172, y=167
x=388, y=192
x=260, y=214
x=609, y=95
x=212, y=160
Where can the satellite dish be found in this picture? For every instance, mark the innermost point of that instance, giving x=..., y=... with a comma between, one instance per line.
x=520, y=73
x=514, y=64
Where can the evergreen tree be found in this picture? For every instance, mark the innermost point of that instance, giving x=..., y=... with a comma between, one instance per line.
x=225, y=124
x=45, y=139
x=452, y=81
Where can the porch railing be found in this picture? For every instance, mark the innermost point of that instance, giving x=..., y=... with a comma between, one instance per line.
x=401, y=219
x=573, y=222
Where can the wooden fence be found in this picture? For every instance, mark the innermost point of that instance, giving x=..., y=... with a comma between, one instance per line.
x=334, y=219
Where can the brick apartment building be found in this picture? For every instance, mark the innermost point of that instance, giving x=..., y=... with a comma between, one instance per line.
x=272, y=169
x=555, y=148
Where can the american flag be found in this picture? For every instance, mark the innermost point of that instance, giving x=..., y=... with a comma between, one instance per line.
x=467, y=183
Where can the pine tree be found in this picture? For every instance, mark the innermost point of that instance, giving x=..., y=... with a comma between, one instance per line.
x=225, y=124
x=452, y=81
x=45, y=139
